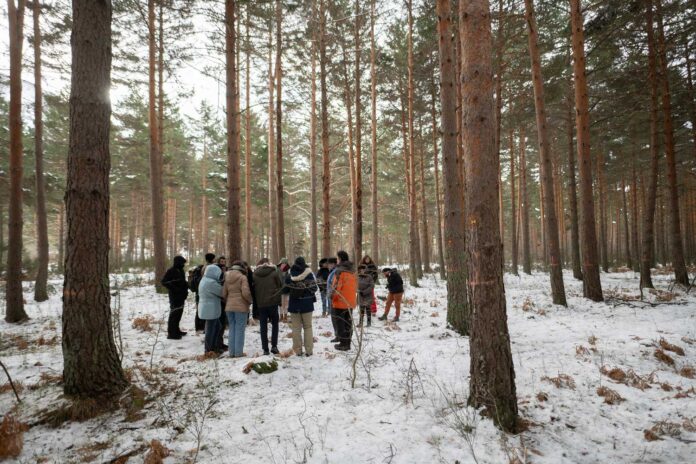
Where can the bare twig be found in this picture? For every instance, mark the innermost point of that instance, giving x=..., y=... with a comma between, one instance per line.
x=11, y=382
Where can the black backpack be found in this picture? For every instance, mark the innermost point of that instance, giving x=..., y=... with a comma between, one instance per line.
x=194, y=278
x=298, y=290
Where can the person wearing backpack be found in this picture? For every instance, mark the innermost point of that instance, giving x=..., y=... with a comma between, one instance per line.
x=366, y=293
x=267, y=290
x=343, y=299
x=195, y=277
x=210, y=296
x=174, y=281
x=301, y=287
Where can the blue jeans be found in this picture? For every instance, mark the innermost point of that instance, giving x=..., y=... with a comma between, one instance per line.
x=324, y=304
x=238, y=322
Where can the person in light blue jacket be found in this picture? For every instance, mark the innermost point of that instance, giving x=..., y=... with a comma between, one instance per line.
x=209, y=307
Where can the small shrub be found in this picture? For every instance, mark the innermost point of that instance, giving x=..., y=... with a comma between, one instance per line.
x=610, y=396
x=542, y=396
x=690, y=424
x=615, y=374
x=650, y=435
x=11, y=437
x=581, y=351
x=664, y=357
x=592, y=340
x=666, y=387
x=665, y=345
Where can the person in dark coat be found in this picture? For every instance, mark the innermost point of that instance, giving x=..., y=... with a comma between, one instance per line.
x=254, y=307
x=174, y=281
x=200, y=323
x=301, y=287
x=395, y=286
x=322, y=279
x=366, y=294
x=267, y=291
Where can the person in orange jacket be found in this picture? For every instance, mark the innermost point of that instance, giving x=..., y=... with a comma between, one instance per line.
x=343, y=292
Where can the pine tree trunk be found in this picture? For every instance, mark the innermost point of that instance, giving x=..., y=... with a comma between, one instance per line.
x=156, y=181
x=524, y=206
x=675, y=232
x=247, y=143
x=438, y=196
x=549, y=205
x=425, y=230
x=457, y=302
x=627, y=236
x=205, y=236
x=326, y=155
x=415, y=269
x=358, y=204
x=91, y=366
x=492, y=384
x=592, y=287
x=313, y=226
x=602, y=212
x=513, y=208
x=279, y=133
x=234, y=233
x=373, y=130
x=692, y=94
x=132, y=218
x=634, y=217
x=61, y=237
x=499, y=50
x=351, y=152
x=40, y=287
x=14, y=297
x=573, y=199
x=272, y=195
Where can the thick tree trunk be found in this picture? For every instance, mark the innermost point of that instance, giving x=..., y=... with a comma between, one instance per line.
x=438, y=196
x=40, y=287
x=234, y=235
x=156, y=181
x=347, y=100
x=573, y=198
x=61, y=237
x=91, y=366
x=279, y=132
x=524, y=206
x=326, y=155
x=247, y=142
x=492, y=384
x=513, y=208
x=313, y=226
x=549, y=205
x=499, y=51
x=373, y=134
x=457, y=302
x=592, y=287
x=13, y=290
x=675, y=233
x=692, y=94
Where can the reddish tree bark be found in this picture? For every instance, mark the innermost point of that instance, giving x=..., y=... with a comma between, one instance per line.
x=326, y=155
x=91, y=366
x=592, y=287
x=234, y=235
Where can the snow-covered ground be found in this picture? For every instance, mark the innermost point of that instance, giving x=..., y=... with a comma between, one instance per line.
x=409, y=400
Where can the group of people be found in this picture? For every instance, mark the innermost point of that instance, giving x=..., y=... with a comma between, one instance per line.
x=226, y=297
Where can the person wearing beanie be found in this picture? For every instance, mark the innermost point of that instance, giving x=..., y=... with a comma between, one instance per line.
x=343, y=299
x=174, y=281
x=267, y=291
x=301, y=288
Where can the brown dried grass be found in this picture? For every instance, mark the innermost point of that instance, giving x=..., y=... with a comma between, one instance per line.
x=616, y=374
x=690, y=424
x=561, y=381
x=592, y=340
x=664, y=357
x=11, y=437
x=610, y=396
x=7, y=387
x=43, y=341
x=665, y=345
x=581, y=350
x=143, y=323
x=542, y=396
x=156, y=453
x=687, y=371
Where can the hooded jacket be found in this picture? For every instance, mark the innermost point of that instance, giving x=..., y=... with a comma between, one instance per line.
x=366, y=287
x=210, y=294
x=301, y=277
x=268, y=286
x=395, y=284
x=174, y=281
x=236, y=291
x=344, y=286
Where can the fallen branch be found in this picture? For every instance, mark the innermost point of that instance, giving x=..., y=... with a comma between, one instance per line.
x=19, y=400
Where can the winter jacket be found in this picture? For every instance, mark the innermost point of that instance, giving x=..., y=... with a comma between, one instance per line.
x=174, y=280
x=322, y=278
x=267, y=286
x=210, y=294
x=372, y=270
x=395, y=283
x=344, y=286
x=366, y=287
x=236, y=291
x=300, y=280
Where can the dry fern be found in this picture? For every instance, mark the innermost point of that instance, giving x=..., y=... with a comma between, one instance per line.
x=11, y=437
x=664, y=357
x=665, y=345
x=610, y=396
x=562, y=381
